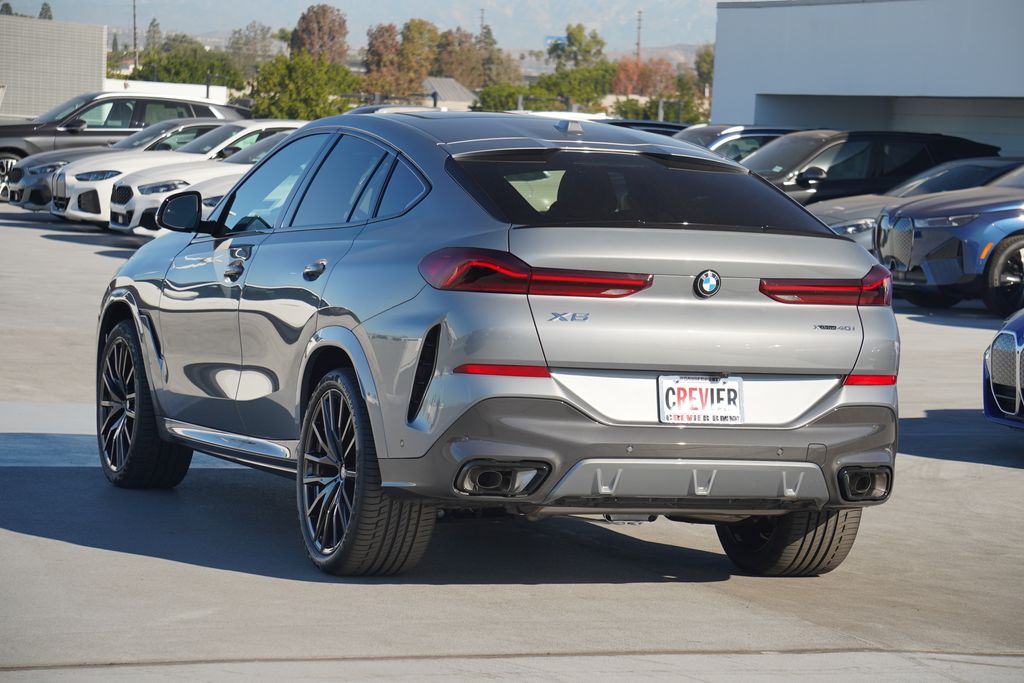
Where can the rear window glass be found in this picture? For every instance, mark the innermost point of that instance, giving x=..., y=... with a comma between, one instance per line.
x=594, y=188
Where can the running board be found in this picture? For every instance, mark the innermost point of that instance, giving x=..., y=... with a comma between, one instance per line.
x=246, y=450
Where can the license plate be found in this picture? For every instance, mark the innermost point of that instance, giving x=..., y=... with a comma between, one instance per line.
x=698, y=399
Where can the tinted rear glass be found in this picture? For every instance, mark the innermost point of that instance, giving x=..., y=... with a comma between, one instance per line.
x=948, y=177
x=592, y=188
x=701, y=135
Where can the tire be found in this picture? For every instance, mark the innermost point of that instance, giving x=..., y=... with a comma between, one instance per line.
x=7, y=161
x=1004, y=278
x=795, y=544
x=349, y=526
x=931, y=299
x=132, y=454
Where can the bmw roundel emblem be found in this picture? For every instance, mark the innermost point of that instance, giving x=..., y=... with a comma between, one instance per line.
x=707, y=284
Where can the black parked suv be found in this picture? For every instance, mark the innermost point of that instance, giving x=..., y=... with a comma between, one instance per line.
x=97, y=118
x=814, y=165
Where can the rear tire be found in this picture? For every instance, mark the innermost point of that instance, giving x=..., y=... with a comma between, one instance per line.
x=931, y=299
x=796, y=544
x=350, y=527
x=132, y=454
x=1004, y=278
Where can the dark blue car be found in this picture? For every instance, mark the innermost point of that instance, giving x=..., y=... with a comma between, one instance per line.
x=1002, y=375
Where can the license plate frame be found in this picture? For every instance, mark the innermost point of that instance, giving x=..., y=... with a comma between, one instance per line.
x=707, y=399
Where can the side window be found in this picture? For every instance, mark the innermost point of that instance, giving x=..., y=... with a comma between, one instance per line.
x=850, y=160
x=404, y=188
x=738, y=148
x=258, y=201
x=158, y=110
x=109, y=114
x=243, y=142
x=176, y=140
x=371, y=193
x=904, y=158
x=201, y=111
x=333, y=193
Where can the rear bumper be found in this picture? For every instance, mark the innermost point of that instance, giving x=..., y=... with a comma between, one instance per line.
x=595, y=466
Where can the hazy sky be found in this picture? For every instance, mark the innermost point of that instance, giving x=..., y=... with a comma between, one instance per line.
x=516, y=23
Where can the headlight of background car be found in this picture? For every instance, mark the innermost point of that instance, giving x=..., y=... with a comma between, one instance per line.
x=92, y=176
x=944, y=221
x=46, y=168
x=853, y=227
x=162, y=186
x=212, y=201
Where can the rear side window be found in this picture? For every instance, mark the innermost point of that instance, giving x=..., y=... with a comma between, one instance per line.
x=594, y=189
x=156, y=111
x=335, y=188
x=202, y=110
x=404, y=188
x=901, y=159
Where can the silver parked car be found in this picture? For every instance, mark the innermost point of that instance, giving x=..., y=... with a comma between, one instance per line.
x=427, y=311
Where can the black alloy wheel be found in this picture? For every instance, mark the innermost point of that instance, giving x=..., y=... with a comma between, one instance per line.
x=118, y=391
x=1004, y=278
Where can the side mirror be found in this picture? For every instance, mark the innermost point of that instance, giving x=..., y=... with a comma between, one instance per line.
x=228, y=151
x=162, y=147
x=74, y=126
x=809, y=177
x=183, y=212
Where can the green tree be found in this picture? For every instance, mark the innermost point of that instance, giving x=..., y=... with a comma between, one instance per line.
x=704, y=65
x=322, y=31
x=416, y=54
x=691, y=98
x=583, y=86
x=301, y=87
x=183, y=59
x=383, y=74
x=505, y=97
x=250, y=47
x=284, y=35
x=459, y=57
x=154, y=36
x=114, y=46
x=45, y=12
x=499, y=67
x=578, y=49
x=6, y=10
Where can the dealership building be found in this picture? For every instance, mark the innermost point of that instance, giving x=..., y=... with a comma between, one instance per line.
x=943, y=66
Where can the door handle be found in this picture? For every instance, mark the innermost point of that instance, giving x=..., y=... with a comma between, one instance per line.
x=314, y=270
x=241, y=252
x=234, y=270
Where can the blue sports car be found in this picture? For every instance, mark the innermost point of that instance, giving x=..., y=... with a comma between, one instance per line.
x=1002, y=375
x=964, y=244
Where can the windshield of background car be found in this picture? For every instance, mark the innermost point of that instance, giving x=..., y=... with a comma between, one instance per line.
x=557, y=187
x=63, y=109
x=946, y=178
x=204, y=143
x=144, y=136
x=783, y=154
x=702, y=135
x=256, y=151
x=1014, y=179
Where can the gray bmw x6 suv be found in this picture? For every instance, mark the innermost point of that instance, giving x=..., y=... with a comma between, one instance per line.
x=426, y=311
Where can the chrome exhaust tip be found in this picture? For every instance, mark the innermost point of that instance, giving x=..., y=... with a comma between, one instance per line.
x=865, y=483
x=502, y=479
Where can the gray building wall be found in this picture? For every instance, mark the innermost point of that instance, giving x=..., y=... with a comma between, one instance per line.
x=43, y=63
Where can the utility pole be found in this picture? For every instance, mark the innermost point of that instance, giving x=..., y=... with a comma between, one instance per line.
x=135, y=37
x=482, y=21
x=639, y=23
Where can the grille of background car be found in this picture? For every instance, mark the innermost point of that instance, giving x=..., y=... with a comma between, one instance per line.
x=121, y=194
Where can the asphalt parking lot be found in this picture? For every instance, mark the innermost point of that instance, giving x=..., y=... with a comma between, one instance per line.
x=210, y=580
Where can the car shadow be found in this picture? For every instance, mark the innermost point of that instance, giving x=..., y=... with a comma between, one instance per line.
x=243, y=520
x=40, y=220
x=963, y=435
x=102, y=239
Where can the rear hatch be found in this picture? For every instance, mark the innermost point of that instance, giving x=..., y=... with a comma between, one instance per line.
x=710, y=237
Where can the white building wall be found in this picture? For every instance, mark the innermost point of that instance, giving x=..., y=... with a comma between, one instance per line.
x=951, y=66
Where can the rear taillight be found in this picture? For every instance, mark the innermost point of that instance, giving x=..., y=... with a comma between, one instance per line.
x=874, y=289
x=869, y=380
x=503, y=370
x=487, y=270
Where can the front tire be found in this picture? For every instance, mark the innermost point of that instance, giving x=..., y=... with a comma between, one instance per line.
x=350, y=527
x=796, y=544
x=7, y=162
x=1004, y=278
x=132, y=454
